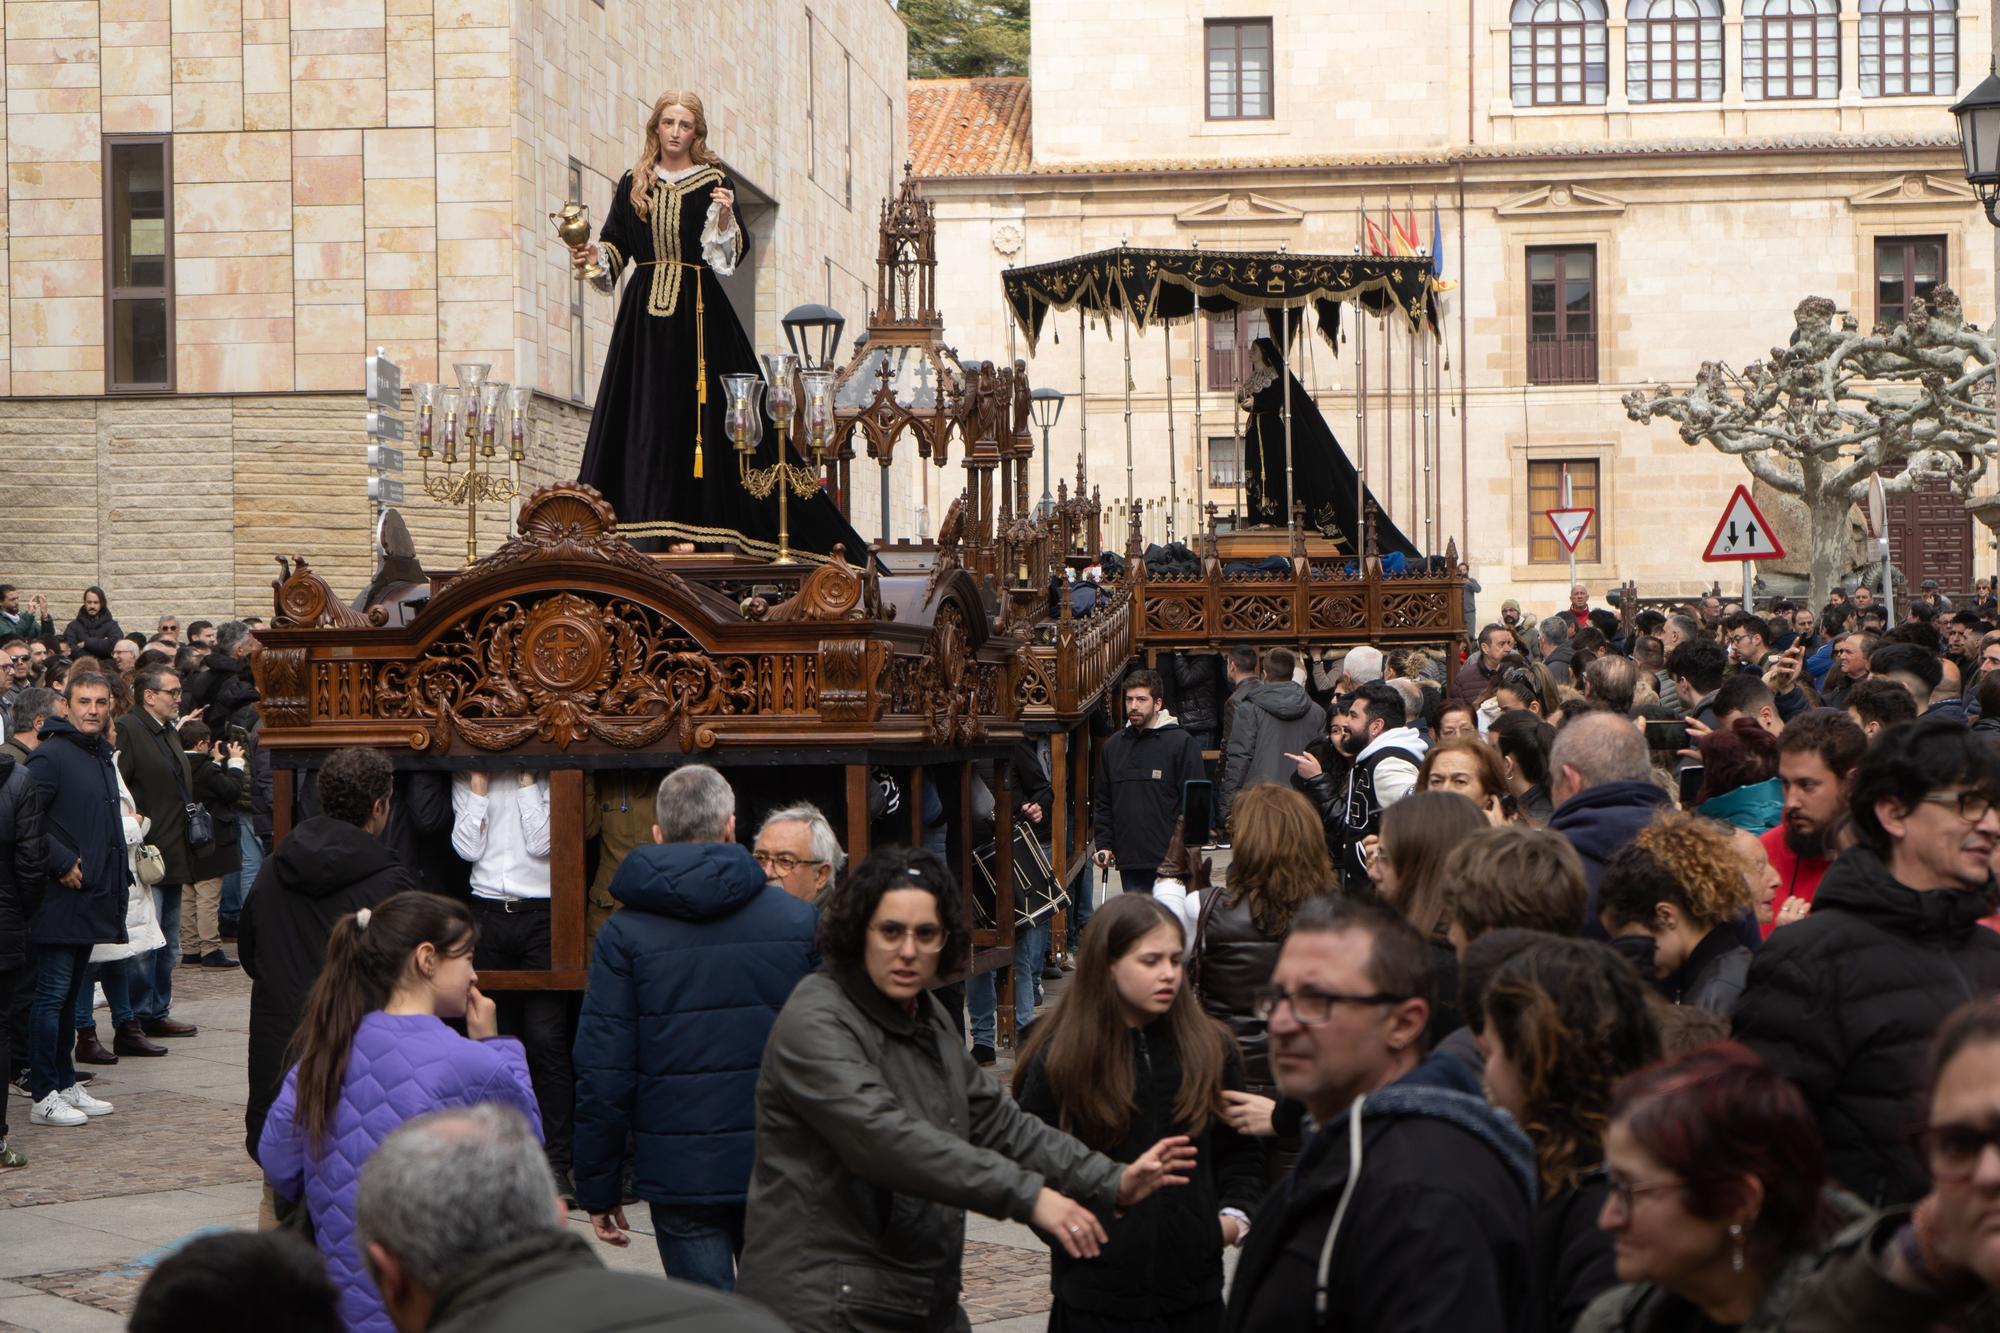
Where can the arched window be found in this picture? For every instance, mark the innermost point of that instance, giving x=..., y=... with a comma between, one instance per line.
x=1673, y=50
x=1909, y=48
x=1558, y=52
x=1791, y=49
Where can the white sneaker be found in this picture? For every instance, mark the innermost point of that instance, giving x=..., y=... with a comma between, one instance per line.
x=84, y=1102
x=53, y=1110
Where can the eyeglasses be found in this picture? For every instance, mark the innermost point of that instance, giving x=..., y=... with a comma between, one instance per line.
x=929, y=936
x=1310, y=1007
x=1625, y=1191
x=1953, y=1151
x=782, y=862
x=1971, y=805
x=174, y=693
x=18, y=659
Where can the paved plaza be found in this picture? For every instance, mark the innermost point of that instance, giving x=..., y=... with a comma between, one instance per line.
x=99, y=1205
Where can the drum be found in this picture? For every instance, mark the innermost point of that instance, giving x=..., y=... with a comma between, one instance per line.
x=1036, y=893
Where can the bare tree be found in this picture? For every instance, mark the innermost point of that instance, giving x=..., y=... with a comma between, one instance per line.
x=1838, y=406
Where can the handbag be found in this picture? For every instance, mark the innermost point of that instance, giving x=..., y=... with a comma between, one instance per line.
x=151, y=864
x=200, y=823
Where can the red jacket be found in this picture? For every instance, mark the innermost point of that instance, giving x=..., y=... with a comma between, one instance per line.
x=1798, y=876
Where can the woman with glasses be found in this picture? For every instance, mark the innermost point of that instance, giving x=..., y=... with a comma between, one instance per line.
x=876, y=1131
x=1563, y=1021
x=1936, y=1265
x=1714, y=1198
x=1126, y=1055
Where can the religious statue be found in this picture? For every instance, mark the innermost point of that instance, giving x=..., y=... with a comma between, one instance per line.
x=657, y=449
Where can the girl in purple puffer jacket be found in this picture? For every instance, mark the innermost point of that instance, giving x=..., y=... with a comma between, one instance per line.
x=374, y=1051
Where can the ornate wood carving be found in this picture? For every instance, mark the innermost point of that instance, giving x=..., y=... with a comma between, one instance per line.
x=304, y=601
x=281, y=683
x=944, y=686
x=566, y=522
x=833, y=591
x=562, y=668
x=850, y=680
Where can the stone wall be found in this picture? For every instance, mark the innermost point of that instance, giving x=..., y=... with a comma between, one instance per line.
x=183, y=504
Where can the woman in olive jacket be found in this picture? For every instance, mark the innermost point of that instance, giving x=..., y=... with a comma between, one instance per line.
x=1128, y=1056
x=876, y=1131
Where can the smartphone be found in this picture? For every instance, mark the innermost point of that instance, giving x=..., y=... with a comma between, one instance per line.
x=1691, y=780
x=1666, y=734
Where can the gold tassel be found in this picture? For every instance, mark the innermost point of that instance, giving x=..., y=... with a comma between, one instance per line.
x=701, y=370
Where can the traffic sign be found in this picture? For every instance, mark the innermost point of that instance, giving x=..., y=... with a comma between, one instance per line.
x=384, y=381
x=1742, y=533
x=385, y=490
x=1878, y=507
x=385, y=458
x=385, y=426
x=1570, y=525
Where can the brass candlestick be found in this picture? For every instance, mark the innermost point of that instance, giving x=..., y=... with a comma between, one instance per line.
x=745, y=420
x=478, y=484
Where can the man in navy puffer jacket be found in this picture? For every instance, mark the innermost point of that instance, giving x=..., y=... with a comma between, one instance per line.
x=688, y=977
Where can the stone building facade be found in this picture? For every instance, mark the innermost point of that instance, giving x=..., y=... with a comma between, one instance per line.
x=1681, y=211
x=215, y=209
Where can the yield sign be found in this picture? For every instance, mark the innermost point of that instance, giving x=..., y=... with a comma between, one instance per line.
x=1743, y=534
x=1570, y=525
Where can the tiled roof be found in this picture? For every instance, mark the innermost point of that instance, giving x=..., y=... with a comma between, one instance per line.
x=969, y=127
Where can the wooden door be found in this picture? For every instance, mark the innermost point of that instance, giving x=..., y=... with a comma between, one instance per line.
x=1930, y=537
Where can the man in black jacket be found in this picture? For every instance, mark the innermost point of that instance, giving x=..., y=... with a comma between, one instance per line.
x=460, y=1227
x=1432, y=1191
x=24, y=877
x=1844, y=1002
x=161, y=781
x=1142, y=776
x=330, y=865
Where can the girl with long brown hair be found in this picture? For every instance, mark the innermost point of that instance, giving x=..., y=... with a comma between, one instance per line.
x=1125, y=1057
x=1407, y=867
x=373, y=1051
x=658, y=448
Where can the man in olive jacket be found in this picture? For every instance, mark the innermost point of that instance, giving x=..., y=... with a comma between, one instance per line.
x=157, y=772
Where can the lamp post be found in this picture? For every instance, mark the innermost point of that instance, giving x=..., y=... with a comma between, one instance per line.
x=1045, y=406
x=813, y=334
x=1978, y=116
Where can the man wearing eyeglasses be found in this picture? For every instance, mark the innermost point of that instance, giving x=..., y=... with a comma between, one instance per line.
x=161, y=780
x=14, y=661
x=1412, y=1205
x=1844, y=1002
x=798, y=851
x=687, y=979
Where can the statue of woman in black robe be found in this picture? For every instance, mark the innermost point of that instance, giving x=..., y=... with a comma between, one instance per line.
x=656, y=449
x=1328, y=485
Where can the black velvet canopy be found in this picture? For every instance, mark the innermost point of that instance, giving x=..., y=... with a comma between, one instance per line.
x=1165, y=286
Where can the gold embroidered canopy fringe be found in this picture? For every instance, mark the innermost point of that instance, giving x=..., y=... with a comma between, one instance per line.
x=1166, y=286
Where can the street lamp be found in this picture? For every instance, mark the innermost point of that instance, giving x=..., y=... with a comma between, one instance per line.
x=1978, y=115
x=813, y=332
x=1045, y=405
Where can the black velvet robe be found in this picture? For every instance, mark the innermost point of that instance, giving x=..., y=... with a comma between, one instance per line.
x=641, y=449
x=1327, y=480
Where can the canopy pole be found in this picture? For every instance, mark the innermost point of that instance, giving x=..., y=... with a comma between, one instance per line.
x=1285, y=373
x=1360, y=418
x=1430, y=496
x=1389, y=414
x=1410, y=402
x=1131, y=503
x=1173, y=482
x=1200, y=521
x=1082, y=402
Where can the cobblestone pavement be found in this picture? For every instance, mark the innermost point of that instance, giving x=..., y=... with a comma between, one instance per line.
x=98, y=1206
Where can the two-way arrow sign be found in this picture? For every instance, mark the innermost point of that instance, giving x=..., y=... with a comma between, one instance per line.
x=1742, y=533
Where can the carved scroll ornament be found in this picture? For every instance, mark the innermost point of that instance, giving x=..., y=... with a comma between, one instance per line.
x=563, y=667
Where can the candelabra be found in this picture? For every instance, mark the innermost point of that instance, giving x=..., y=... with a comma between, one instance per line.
x=748, y=397
x=476, y=414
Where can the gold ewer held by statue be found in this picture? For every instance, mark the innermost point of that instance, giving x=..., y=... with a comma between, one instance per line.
x=573, y=230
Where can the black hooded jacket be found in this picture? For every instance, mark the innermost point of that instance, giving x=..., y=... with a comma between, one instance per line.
x=1437, y=1230
x=1845, y=1003
x=324, y=870
x=93, y=635
x=24, y=860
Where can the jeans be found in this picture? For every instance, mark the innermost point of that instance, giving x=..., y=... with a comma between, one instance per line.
x=59, y=970
x=236, y=887
x=153, y=973
x=116, y=978
x=700, y=1242
x=1137, y=879
x=541, y=1019
x=1031, y=948
x=1082, y=902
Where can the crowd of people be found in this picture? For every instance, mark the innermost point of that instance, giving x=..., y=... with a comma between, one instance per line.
x=1635, y=972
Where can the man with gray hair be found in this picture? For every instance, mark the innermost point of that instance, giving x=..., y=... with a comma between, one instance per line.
x=1557, y=650
x=458, y=1221
x=1600, y=778
x=689, y=975
x=798, y=850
